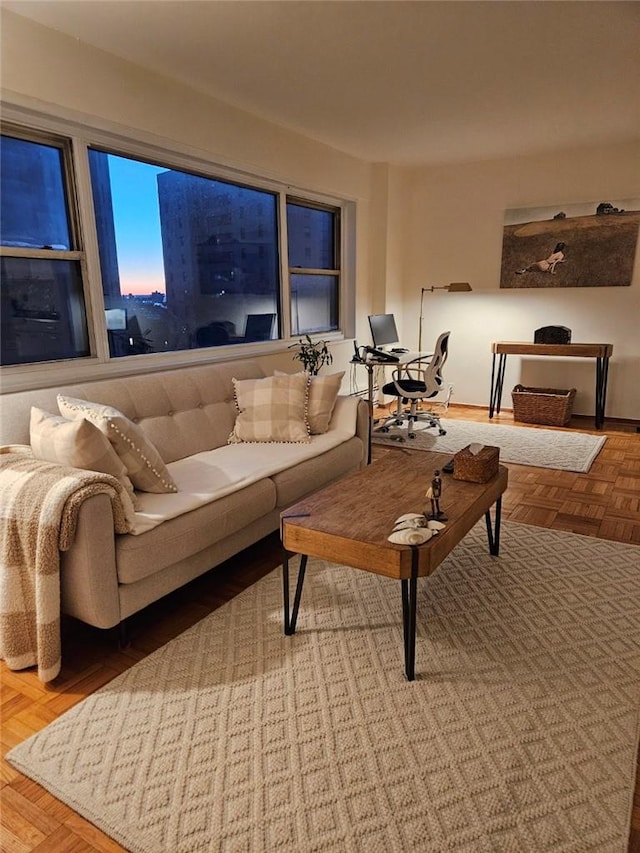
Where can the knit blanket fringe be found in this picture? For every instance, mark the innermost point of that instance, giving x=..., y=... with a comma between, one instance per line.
x=39, y=507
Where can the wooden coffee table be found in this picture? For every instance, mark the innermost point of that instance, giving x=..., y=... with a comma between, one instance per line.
x=348, y=523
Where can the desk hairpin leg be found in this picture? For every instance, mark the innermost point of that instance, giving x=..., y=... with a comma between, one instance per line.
x=497, y=382
x=602, y=372
x=370, y=395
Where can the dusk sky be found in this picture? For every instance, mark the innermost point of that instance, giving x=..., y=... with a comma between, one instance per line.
x=137, y=225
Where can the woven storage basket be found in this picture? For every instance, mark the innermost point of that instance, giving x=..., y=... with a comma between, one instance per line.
x=476, y=467
x=551, y=406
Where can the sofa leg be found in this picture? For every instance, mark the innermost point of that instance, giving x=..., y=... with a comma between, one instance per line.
x=124, y=638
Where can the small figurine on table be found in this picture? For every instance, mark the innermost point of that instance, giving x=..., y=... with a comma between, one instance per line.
x=433, y=493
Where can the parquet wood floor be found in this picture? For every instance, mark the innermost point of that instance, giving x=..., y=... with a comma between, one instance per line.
x=604, y=503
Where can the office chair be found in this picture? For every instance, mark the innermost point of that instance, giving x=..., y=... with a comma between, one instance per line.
x=416, y=381
x=213, y=335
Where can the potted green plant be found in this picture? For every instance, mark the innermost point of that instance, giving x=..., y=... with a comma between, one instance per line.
x=312, y=354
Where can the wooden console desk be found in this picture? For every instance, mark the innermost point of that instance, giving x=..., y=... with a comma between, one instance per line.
x=601, y=352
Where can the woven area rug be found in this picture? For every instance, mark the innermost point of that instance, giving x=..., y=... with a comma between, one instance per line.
x=519, y=733
x=542, y=448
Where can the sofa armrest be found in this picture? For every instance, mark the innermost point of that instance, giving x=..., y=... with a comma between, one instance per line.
x=88, y=573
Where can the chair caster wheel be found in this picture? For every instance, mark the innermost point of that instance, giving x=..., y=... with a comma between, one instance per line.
x=398, y=423
x=443, y=432
x=412, y=435
x=383, y=429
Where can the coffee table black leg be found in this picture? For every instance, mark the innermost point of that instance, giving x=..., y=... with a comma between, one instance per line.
x=493, y=532
x=409, y=597
x=291, y=617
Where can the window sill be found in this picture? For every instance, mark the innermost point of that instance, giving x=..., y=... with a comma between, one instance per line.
x=28, y=377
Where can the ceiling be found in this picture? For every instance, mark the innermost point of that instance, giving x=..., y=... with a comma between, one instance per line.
x=393, y=81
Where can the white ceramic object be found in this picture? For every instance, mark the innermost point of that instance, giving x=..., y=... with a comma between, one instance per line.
x=435, y=526
x=411, y=536
x=410, y=519
x=408, y=516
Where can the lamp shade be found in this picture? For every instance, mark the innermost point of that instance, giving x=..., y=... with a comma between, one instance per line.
x=459, y=287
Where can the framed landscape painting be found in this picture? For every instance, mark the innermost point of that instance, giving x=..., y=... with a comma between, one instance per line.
x=572, y=245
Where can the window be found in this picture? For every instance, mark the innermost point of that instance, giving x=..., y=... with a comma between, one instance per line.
x=43, y=315
x=225, y=272
x=314, y=275
x=113, y=249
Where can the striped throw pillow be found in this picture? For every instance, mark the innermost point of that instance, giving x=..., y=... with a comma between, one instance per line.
x=77, y=444
x=144, y=465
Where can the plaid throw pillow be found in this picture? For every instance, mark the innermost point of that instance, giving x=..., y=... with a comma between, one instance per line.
x=144, y=465
x=271, y=409
x=323, y=393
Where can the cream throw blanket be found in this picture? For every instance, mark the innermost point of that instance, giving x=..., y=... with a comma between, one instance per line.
x=39, y=506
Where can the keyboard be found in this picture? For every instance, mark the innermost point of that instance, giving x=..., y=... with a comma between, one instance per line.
x=381, y=355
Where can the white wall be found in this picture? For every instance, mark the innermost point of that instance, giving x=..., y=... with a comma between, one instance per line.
x=454, y=233
x=57, y=69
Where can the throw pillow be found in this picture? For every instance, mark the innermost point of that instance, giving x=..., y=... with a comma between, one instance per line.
x=323, y=393
x=78, y=444
x=271, y=409
x=144, y=464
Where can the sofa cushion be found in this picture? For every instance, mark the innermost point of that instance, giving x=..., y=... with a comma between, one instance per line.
x=78, y=444
x=292, y=484
x=144, y=464
x=187, y=534
x=213, y=474
x=273, y=409
x=323, y=393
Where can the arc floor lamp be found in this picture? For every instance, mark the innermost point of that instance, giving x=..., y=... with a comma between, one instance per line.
x=454, y=287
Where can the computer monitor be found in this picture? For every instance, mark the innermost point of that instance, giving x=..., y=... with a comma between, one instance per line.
x=383, y=330
x=259, y=327
x=116, y=319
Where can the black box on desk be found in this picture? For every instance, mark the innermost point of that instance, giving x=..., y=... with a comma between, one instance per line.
x=552, y=335
x=476, y=467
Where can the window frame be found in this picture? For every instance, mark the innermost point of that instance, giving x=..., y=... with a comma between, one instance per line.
x=312, y=271
x=81, y=135
x=45, y=135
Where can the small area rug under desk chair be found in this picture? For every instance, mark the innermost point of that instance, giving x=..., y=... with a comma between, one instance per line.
x=415, y=382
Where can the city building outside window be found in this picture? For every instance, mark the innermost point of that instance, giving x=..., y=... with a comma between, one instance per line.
x=208, y=290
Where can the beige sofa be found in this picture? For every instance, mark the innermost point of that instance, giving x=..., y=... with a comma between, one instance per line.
x=186, y=413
